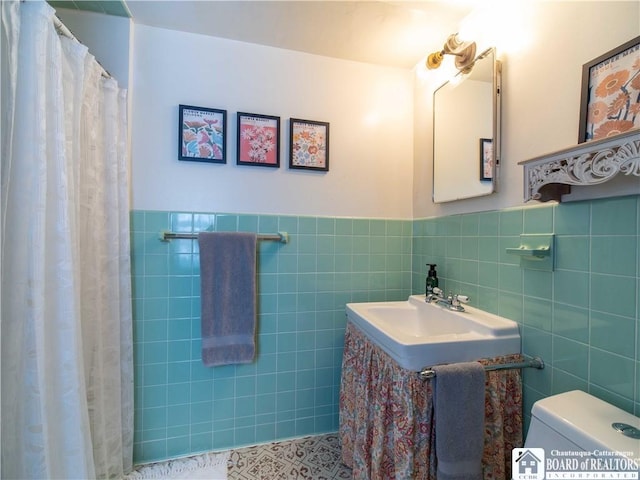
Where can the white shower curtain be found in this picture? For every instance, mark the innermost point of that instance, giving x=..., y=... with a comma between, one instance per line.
x=67, y=368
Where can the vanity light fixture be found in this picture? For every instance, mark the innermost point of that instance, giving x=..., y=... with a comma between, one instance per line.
x=465, y=53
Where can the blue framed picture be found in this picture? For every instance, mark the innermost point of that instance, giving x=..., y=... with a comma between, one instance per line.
x=202, y=134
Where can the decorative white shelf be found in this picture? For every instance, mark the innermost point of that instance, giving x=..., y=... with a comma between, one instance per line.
x=550, y=176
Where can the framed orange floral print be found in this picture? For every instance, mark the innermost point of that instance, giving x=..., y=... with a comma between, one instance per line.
x=610, y=94
x=202, y=134
x=308, y=144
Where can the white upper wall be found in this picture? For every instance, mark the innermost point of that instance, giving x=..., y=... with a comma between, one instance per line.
x=541, y=96
x=380, y=137
x=369, y=108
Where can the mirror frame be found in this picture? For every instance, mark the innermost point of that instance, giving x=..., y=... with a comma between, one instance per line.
x=496, y=127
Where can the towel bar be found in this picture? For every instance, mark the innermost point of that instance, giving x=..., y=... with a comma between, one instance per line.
x=535, y=362
x=165, y=236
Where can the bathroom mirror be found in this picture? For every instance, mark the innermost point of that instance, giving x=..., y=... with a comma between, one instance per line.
x=466, y=132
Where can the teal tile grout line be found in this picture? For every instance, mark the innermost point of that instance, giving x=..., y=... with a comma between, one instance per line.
x=363, y=269
x=299, y=407
x=609, y=213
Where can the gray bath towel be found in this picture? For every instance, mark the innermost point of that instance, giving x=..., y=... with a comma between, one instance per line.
x=459, y=420
x=228, y=297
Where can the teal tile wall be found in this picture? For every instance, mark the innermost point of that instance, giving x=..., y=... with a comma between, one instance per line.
x=582, y=319
x=182, y=407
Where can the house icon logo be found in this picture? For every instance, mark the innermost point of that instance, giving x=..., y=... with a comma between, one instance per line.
x=527, y=464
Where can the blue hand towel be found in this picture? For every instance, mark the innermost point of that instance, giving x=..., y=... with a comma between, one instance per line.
x=459, y=420
x=228, y=297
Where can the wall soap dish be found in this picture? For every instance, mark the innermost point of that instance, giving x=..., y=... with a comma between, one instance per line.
x=535, y=251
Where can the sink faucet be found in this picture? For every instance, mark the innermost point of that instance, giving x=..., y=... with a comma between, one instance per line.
x=436, y=295
x=452, y=302
x=456, y=302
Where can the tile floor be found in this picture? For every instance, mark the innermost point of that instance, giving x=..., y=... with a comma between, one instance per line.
x=314, y=458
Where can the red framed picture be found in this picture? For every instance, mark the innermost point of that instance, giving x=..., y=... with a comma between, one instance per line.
x=258, y=140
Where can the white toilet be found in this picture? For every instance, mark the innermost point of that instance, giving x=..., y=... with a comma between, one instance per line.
x=578, y=422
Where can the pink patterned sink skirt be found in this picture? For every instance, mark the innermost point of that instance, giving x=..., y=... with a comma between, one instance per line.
x=386, y=412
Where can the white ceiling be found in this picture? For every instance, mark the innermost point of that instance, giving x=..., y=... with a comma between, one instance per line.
x=392, y=33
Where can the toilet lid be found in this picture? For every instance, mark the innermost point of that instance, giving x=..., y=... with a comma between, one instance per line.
x=586, y=421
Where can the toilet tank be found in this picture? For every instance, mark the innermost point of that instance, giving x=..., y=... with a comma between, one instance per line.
x=577, y=421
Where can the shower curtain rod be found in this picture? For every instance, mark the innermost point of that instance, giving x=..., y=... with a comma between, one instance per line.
x=62, y=29
x=535, y=362
x=165, y=236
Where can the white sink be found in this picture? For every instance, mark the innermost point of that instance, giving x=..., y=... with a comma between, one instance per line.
x=417, y=334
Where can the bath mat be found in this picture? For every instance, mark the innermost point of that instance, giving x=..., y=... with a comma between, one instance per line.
x=208, y=466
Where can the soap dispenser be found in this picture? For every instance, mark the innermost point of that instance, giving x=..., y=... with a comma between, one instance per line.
x=432, y=279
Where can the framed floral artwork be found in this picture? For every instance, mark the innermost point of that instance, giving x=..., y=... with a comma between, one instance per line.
x=486, y=159
x=610, y=94
x=258, y=140
x=309, y=144
x=202, y=134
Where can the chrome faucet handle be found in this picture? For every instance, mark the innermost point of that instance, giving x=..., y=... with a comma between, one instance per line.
x=461, y=298
x=457, y=301
x=436, y=294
